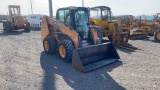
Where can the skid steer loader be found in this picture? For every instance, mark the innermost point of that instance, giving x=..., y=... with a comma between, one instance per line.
x=102, y=17
x=72, y=37
x=14, y=20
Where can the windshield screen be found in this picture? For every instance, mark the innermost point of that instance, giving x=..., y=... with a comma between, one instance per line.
x=15, y=11
x=95, y=13
x=82, y=22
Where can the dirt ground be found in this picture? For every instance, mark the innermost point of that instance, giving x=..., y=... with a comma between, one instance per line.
x=25, y=66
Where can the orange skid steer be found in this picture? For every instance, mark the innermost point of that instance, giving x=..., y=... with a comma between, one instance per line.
x=71, y=36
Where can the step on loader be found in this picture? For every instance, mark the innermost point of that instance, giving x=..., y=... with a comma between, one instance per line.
x=75, y=40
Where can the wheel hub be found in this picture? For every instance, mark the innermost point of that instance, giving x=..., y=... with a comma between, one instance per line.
x=46, y=45
x=62, y=51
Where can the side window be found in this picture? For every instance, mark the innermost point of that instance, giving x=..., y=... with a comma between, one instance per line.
x=61, y=16
x=67, y=18
x=95, y=13
x=64, y=17
x=105, y=14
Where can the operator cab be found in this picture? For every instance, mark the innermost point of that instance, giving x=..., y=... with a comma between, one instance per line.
x=14, y=10
x=76, y=18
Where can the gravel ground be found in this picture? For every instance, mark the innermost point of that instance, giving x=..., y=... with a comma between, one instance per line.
x=25, y=66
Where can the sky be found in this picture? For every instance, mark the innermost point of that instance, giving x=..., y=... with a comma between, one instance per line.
x=118, y=7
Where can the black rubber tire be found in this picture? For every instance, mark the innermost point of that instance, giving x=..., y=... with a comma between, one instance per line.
x=4, y=26
x=98, y=41
x=155, y=34
x=99, y=31
x=110, y=38
x=52, y=45
x=68, y=45
x=91, y=38
x=27, y=29
x=7, y=26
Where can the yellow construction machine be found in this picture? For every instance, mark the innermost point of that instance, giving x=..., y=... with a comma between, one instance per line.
x=102, y=17
x=75, y=40
x=157, y=36
x=137, y=28
x=14, y=20
x=156, y=24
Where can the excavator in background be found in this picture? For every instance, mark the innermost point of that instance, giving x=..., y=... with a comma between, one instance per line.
x=102, y=17
x=14, y=20
x=75, y=40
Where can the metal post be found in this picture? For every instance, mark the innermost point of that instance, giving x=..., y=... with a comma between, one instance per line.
x=82, y=3
x=50, y=9
x=31, y=7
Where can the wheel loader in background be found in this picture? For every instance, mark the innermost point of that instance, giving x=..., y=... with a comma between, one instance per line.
x=102, y=17
x=14, y=20
x=75, y=40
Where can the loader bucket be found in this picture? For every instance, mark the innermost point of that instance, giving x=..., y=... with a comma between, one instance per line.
x=92, y=57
